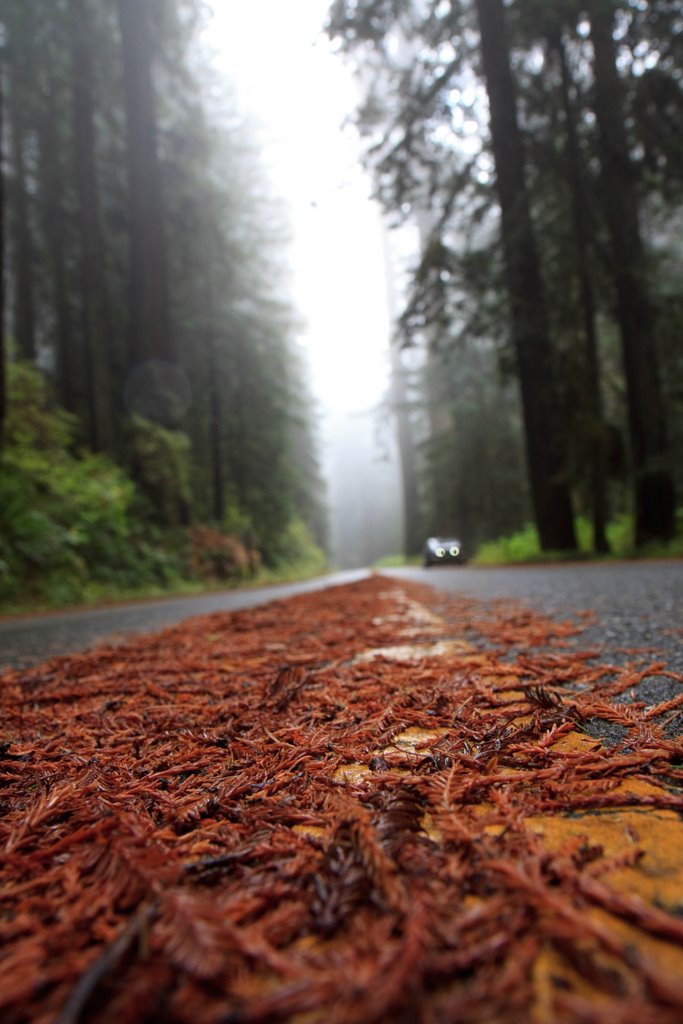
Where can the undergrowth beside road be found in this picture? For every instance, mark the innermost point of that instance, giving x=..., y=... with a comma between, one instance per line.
x=94, y=595
x=77, y=528
x=524, y=546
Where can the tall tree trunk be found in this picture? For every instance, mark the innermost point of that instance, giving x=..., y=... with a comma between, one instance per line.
x=54, y=222
x=102, y=373
x=654, y=490
x=215, y=404
x=150, y=335
x=594, y=404
x=3, y=354
x=22, y=241
x=544, y=445
x=412, y=519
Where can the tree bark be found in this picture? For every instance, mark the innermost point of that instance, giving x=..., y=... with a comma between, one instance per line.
x=654, y=490
x=102, y=373
x=544, y=444
x=150, y=334
x=55, y=228
x=3, y=354
x=597, y=455
x=22, y=241
x=412, y=519
x=215, y=404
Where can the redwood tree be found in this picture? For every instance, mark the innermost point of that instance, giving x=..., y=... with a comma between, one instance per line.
x=150, y=333
x=96, y=342
x=21, y=231
x=3, y=381
x=54, y=171
x=580, y=230
x=529, y=322
x=654, y=490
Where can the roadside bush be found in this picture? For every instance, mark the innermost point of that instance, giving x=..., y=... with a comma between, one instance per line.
x=62, y=515
x=216, y=556
x=524, y=546
x=299, y=550
x=75, y=527
x=159, y=461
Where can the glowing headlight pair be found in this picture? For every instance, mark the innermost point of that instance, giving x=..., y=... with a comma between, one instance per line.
x=453, y=550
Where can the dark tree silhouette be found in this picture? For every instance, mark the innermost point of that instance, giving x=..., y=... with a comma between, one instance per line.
x=549, y=486
x=3, y=354
x=581, y=235
x=96, y=342
x=150, y=329
x=654, y=491
x=22, y=246
x=53, y=181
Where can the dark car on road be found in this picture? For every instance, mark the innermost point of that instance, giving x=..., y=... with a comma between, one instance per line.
x=442, y=551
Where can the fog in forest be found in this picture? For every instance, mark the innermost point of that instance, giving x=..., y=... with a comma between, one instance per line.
x=300, y=96
x=285, y=287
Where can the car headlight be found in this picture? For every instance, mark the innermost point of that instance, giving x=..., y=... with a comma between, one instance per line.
x=454, y=550
x=439, y=552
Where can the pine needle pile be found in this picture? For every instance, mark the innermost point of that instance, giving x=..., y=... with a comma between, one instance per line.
x=341, y=808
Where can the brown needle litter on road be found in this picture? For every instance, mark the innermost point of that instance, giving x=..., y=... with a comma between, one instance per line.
x=340, y=808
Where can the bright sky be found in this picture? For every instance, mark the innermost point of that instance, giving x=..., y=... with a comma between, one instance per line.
x=300, y=92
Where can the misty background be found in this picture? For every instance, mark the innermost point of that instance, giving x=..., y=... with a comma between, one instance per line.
x=291, y=287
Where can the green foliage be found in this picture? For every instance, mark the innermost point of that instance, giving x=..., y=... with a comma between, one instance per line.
x=237, y=523
x=62, y=515
x=523, y=546
x=430, y=151
x=159, y=460
x=395, y=561
x=33, y=423
x=621, y=532
x=299, y=551
x=230, y=384
x=74, y=527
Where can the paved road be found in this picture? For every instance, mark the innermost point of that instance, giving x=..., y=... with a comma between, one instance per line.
x=639, y=604
x=26, y=640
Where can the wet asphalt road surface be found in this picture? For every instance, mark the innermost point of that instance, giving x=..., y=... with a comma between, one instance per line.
x=27, y=640
x=638, y=604
x=639, y=608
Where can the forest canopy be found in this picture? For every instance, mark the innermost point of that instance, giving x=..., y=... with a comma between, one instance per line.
x=156, y=422
x=536, y=149
x=155, y=413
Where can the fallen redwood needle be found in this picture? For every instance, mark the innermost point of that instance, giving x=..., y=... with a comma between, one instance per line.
x=361, y=805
